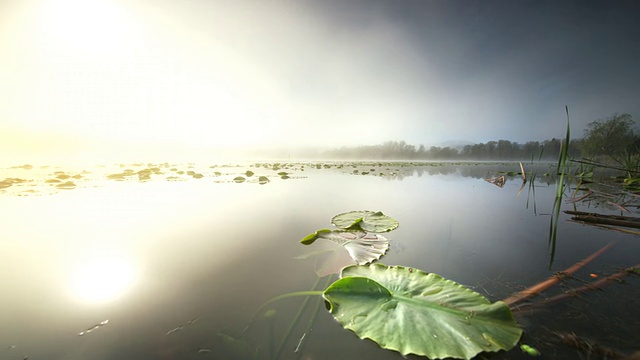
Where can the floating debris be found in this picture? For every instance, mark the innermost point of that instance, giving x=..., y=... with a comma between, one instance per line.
x=94, y=327
x=498, y=181
x=529, y=350
x=182, y=326
x=175, y=330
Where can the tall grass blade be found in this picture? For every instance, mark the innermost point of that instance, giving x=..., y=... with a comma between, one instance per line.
x=562, y=170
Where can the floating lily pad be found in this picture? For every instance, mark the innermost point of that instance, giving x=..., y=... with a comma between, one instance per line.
x=118, y=177
x=10, y=181
x=239, y=179
x=363, y=247
x=263, y=179
x=66, y=185
x=370, y=221
x=414, y=312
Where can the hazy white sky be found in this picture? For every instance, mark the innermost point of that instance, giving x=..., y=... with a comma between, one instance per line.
x=178, y=75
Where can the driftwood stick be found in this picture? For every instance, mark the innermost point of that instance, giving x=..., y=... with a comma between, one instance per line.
x=622, y=230
x=594, y=285
x=536, y=289
x=625, y=221
x=575, y=292
x=603, y=216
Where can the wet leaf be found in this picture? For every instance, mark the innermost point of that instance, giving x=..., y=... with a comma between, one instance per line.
x=309, y=239
x=413, y=312
x=329, y=257
x=66, y=185
x=363, y=247
x=370, y=221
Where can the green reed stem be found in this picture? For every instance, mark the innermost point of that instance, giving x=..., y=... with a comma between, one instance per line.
x=314, y=315
x=296, y=318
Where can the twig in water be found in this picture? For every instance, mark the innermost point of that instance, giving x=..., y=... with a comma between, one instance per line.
x=81, y=333
x=536, y=289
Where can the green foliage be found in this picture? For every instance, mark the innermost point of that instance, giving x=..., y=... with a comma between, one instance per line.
x=611, y=137
x=529, y=350
x=370, y=221
x=414, y=312
x=362, y=247
x=447, y=320
x=311, y=238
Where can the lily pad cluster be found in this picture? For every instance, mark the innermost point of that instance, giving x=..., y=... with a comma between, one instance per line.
x=404, y=309
x=358, y=233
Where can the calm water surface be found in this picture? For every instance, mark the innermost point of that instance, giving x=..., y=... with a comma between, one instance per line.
x=172, y=265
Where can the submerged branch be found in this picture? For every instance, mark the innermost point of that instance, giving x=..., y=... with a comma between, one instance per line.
x=607, y=227
x=536, y=289
x=602, y=165
x=626, y=221
x=596, y=285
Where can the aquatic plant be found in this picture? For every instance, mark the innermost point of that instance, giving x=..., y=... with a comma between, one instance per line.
x=400, y=308
x=414, y=312
x=561, y=170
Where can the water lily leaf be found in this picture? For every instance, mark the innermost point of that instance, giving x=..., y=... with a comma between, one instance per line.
x=363, y=247
x=311, y=238
x=329, y=258
x=370, y=221
x=414, y=312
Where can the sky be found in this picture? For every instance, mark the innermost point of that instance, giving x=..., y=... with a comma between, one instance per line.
x=162, y=77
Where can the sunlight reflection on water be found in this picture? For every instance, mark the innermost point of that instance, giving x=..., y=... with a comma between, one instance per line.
x=151, y=255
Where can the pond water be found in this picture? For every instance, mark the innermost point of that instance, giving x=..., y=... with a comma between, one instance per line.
x=173, y=261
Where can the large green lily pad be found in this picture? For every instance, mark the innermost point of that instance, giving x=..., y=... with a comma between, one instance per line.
x=370, y=221
x=414, y=312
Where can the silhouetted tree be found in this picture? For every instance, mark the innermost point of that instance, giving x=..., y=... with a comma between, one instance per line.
x=611, y=137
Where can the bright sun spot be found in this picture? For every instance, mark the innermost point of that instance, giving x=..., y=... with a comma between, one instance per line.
x=95, y=25
x=102, y=278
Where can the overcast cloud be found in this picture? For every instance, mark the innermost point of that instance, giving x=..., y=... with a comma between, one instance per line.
x=202, y=74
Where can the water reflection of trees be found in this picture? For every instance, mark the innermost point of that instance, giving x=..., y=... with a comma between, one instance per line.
x=476, y=171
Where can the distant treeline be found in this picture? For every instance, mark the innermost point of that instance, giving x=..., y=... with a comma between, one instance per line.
x=612, y=138
x=491, y=150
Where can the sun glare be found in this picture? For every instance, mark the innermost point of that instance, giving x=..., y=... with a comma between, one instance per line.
x=94, y=26
x=100, y=279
